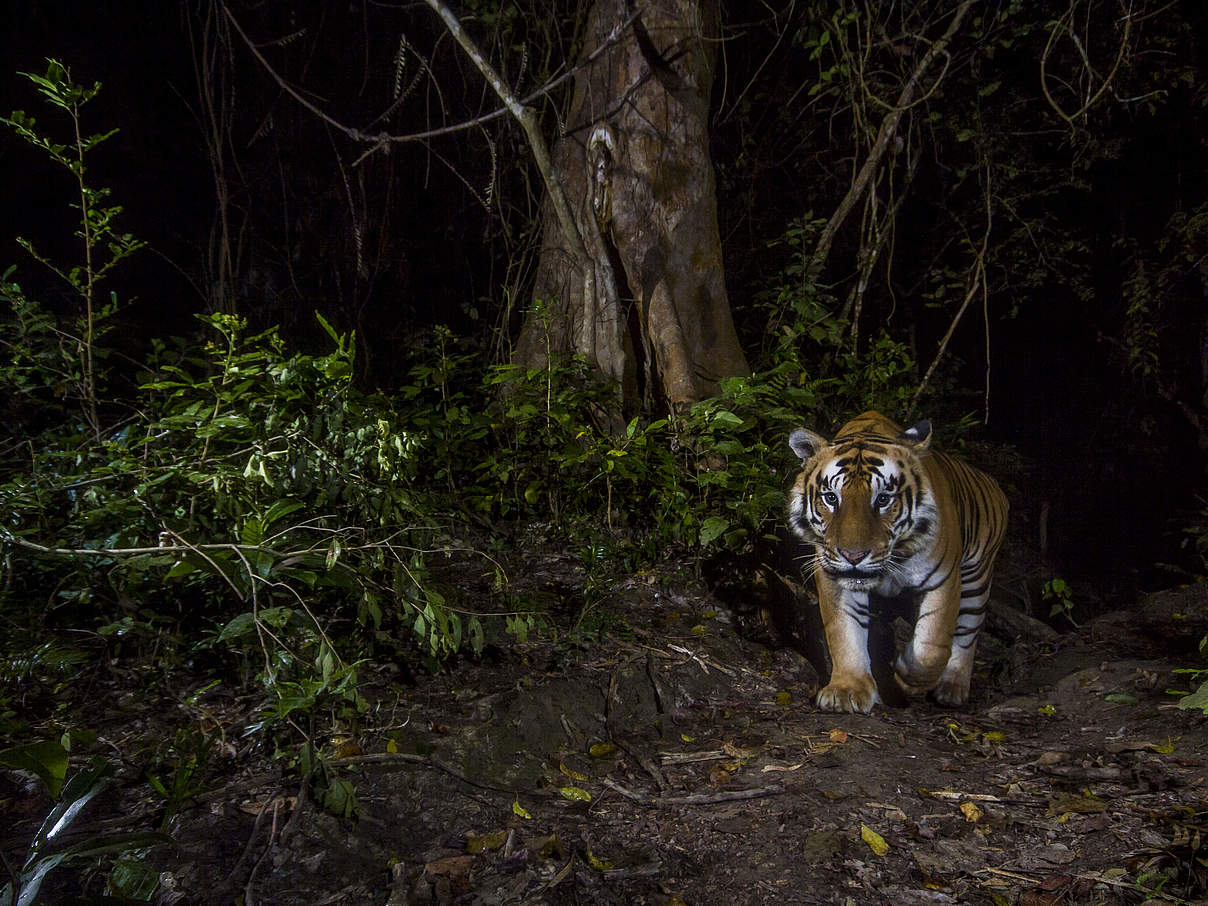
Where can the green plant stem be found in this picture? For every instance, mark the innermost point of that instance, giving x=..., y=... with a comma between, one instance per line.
x=90, y=403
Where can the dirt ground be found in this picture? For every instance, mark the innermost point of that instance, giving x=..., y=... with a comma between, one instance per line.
x=670, y=758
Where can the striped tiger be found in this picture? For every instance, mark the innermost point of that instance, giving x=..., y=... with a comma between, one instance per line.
x=886, y=514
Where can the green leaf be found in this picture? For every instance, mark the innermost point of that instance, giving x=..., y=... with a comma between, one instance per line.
x=1197, y=699
x=261, y=563
x=726, y=418
x=240, y=626
x=252, y=532
x=477, y=637
x=340, y=799
x=279, y=510
x=46, y=760
x=331, y=331
x=533, y=492
x=134, y=879
x=182, y=567
x=713, y=528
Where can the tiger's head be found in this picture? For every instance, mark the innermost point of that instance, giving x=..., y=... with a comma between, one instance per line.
x=863, y=499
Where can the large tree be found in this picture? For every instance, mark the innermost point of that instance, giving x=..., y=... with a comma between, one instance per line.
x=635, y=284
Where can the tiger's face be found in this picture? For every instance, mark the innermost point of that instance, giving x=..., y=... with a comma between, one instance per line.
x=862, y=500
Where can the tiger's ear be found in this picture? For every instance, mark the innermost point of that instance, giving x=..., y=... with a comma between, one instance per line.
x=918, y=436
x=806, y=443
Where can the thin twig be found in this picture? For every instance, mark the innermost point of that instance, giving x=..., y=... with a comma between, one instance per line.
x=889, y=127
x=1063, y=25
x=377, y=140
x=527, y=118
x=773, y=789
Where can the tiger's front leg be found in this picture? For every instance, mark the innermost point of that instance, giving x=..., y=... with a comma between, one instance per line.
x=845, y=616
x=930, y=653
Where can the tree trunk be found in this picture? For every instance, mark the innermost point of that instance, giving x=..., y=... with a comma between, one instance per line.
x=648, y=308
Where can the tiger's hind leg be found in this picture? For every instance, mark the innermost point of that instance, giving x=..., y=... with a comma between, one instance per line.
x=953, y=686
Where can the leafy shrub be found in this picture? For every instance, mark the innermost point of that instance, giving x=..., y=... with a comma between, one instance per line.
x=260, y=482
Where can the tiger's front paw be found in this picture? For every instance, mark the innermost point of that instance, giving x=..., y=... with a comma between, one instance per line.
x=854, y=693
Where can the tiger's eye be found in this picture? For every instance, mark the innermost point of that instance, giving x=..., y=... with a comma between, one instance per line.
x=830, y=498
x=883, y=500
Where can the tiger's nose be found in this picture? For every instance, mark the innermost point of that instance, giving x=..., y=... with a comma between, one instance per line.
x=853, y=557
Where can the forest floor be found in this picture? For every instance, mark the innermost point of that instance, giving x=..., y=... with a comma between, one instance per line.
x=669, y=758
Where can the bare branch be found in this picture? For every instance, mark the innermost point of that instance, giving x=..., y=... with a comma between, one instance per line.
x=1064, y=25
x=380, y=139
x=889, y=128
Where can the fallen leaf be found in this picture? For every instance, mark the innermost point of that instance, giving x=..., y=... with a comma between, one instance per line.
x=1064, y=803
x=735, y=752
x=784, y=698
x=392, y=746
x=575, y=794
x=598, y=864
x=1056, y=882
x=454, y=867
x=676, y=901
x=782, y=767
x=481, y=843
x=281, y=802
x=518, y=809
x=891, y=811
x=874, y=840
x=572, y=774
x=837, y=735
x=972, y=813
x=1116, y=746
x=601, y=750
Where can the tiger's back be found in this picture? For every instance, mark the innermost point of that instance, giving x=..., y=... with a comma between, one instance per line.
x=886, y=515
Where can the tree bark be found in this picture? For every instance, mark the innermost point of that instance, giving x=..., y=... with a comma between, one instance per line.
x=634, y=163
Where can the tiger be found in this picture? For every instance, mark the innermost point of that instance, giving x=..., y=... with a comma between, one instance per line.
x=889, y=515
